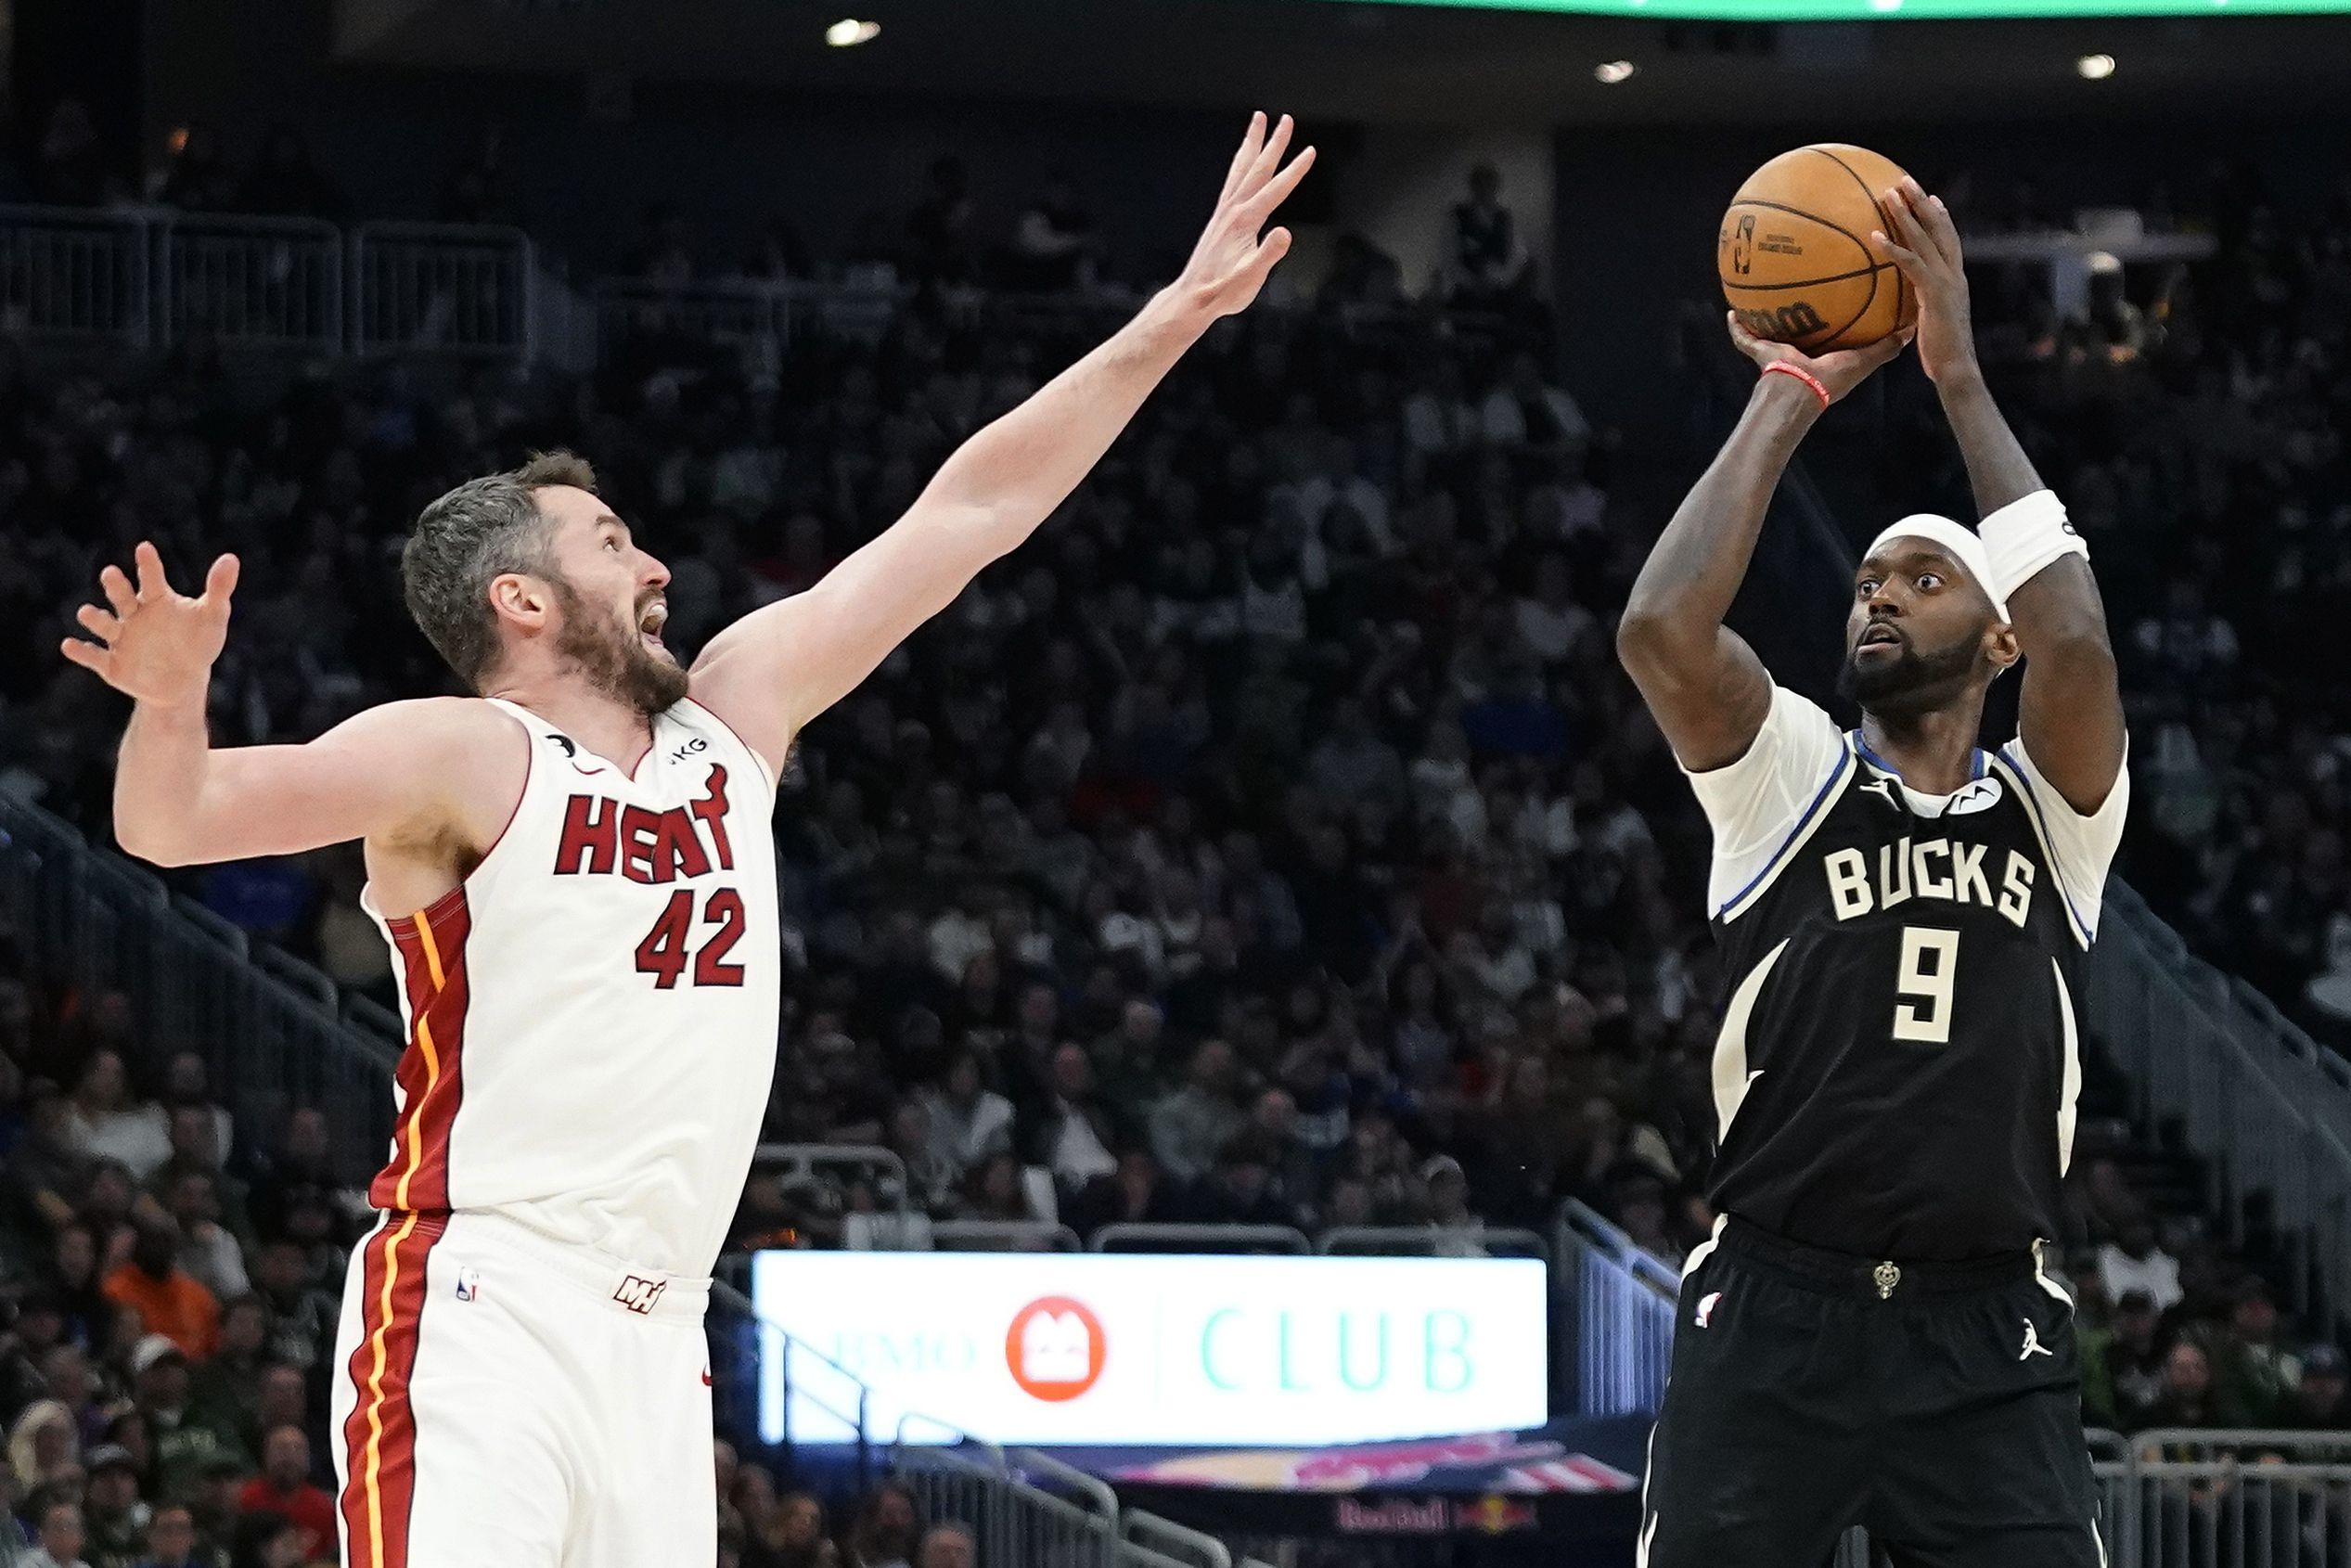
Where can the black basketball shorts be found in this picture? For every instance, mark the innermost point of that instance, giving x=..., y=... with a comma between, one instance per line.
x=1939, y=1406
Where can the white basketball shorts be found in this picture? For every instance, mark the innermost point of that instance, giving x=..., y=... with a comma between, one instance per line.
x=505, y=1400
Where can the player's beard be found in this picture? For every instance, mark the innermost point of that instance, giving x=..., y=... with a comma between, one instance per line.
x=1911, y=682
x=613, y=656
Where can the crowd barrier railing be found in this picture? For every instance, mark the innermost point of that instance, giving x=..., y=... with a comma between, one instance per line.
x=269, y=1027
x=456, y=289
x=1432, y=1240
x=1142, y=1237
x=78, y=277
x=1617, y=1315
x=275, y=283
x=2267, y=1107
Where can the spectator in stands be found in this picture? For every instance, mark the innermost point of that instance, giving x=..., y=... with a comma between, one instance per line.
x=168, y=1299
x=792, y=1535
x=481, y=188
x=946, y=1545
x=1072, y=1133
x=2187, y=1398
x=2133, y=1262
x=170, y=1540
x=225, y=1392
x=884, y=1534
x=44, y=1443
x=186, y=1442
x=2254, y=1375
x=267, y=1540
x=1191, y=1125
x=284, y=1488
x=215, y=1506
x=208, y=1252
x=47, y=1169
x=969, y=1122
x=303, y=1313
x=942, y=232
x=287, y=182
x=2122, y=1363
x=108, y=1122
x=1460, y=1233
x=2323, y=1402
x=114, y=1520
x=187, y=1085
x=1055, y=248
x=72, y=167
x=1485, y=258
x=1531, y=420
x=61, y=1538
x=65, y=1377
x=195, y=178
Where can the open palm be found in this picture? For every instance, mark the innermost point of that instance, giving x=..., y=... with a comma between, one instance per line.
x=153, y=643
x=1229, y=264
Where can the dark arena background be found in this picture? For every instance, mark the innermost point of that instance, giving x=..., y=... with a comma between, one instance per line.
x=1244, y=1087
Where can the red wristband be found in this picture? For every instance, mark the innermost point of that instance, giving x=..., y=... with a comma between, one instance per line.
x=1782, y=367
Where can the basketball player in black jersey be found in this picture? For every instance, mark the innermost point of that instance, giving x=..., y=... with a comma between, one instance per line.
x=1869, y=1337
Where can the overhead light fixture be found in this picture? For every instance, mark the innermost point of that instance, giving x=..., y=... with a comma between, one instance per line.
x=2095, y=67
x=1886, y=5
x=848, y=33
x=1610, y=72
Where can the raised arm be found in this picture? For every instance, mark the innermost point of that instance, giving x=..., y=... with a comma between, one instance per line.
x=1705, y=686
x=2070, y=712
x=431, y=776
x=781, y=666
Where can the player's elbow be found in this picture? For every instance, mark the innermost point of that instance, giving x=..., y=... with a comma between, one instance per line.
x=143, y=837
x=1647, y=638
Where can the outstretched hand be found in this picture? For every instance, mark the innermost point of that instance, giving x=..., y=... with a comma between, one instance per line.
x=1231, y=261
x=1840, y=370
x=1924, y=243
x=155, y=644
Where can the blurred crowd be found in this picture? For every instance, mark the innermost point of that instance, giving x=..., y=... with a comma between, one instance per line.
x=1273, y=840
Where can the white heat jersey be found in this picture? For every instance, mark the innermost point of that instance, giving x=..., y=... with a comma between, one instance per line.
x=591, y=1016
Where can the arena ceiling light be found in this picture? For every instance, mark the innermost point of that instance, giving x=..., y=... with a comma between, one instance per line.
x=848, y=33
x=1610, y=72
x=1899, y=10
x=2095, y=67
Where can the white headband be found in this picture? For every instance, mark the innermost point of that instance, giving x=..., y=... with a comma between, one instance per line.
x=1953, y=539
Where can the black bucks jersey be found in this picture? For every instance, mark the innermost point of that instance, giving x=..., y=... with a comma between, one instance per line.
x=1898, y=1061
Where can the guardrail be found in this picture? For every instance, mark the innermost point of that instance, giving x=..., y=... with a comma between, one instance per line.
x=2267, y=1108
x=146, y=278
x=457, y=289
x=1139, y=1238
x=1619, y=1327
x=1432, y=1240
x=269, y=1027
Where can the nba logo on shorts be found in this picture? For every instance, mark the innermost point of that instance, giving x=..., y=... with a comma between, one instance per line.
x=469, y=1283
x=1706, y=1307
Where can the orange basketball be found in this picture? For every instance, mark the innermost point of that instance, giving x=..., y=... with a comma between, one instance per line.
x=1796, y=261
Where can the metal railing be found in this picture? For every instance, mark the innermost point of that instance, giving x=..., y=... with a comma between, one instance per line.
x=1013, y=1519
x=449, y=289
x=274, y=283
x=1618, y=1304
x=1003, y=1236
x=1432, y=1240
x=1139, y=1237
x=2269, y=1108
x=74, y=277
x=269, y=1027
x=1148, y=1541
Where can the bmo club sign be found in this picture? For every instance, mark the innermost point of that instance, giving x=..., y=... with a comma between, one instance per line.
x=1104, y=1348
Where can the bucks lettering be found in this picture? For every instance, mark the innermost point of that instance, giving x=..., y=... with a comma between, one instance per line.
x=1926, y=869
x=602, y=836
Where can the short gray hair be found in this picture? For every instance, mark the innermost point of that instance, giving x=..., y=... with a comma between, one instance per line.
x=465, y=540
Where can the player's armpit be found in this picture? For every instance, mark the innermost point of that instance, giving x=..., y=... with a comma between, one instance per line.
x=445, y=769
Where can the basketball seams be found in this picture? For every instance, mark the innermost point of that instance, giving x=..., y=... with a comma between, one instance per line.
x=1803, y=283
x=1900, y=283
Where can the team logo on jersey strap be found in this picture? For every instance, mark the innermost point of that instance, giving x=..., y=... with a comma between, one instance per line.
x=1976, y=794
x=2032, y=1345
x=638, y=1293
x=1706, y=1307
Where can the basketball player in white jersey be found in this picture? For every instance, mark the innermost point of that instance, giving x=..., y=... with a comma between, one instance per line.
x=575, y=869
